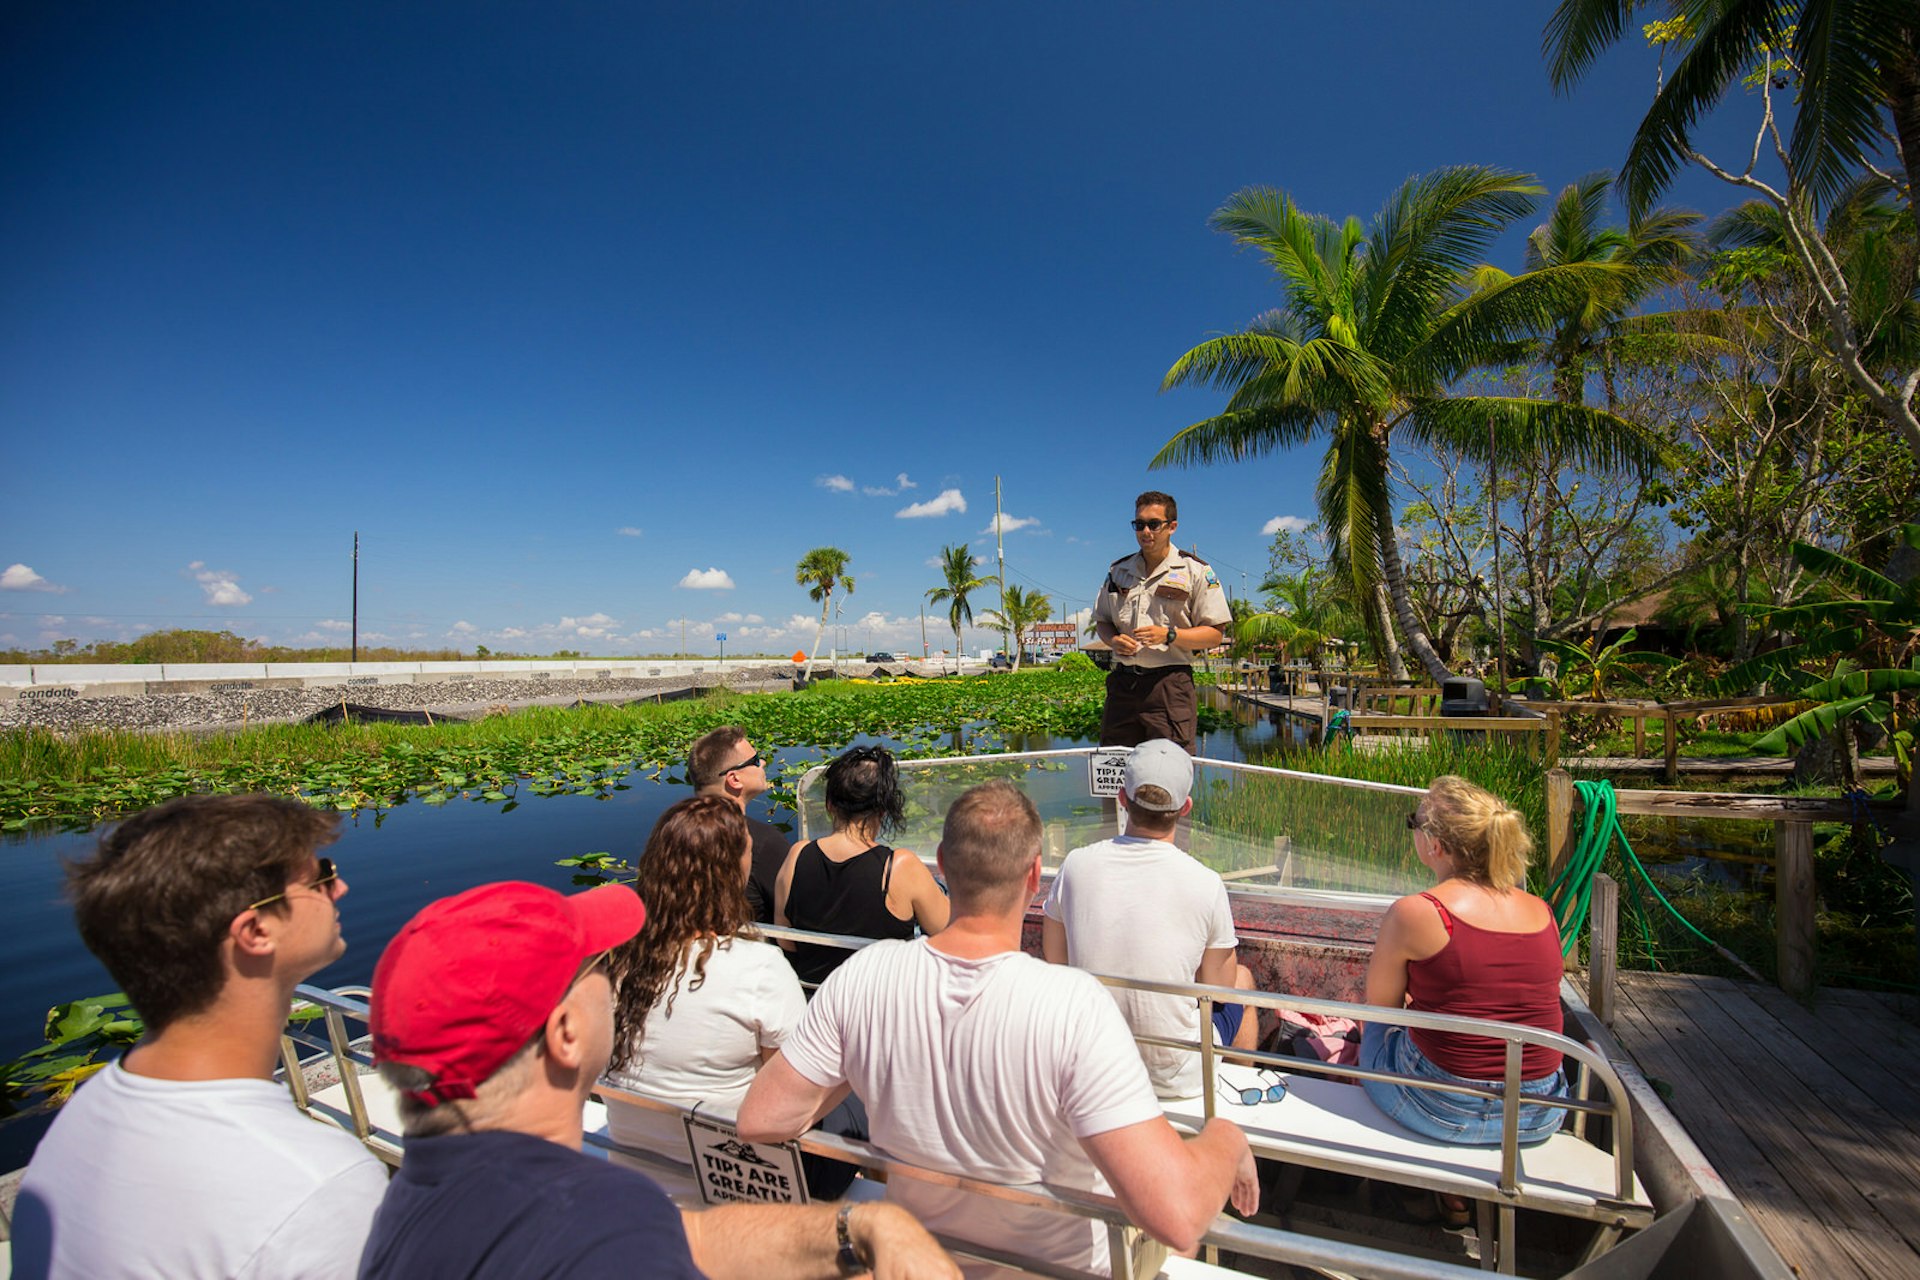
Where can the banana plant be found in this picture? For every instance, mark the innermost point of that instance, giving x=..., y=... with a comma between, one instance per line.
x=1869, y=642
x=1588, y=665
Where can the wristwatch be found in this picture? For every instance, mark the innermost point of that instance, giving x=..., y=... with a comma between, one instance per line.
x=849, y=1259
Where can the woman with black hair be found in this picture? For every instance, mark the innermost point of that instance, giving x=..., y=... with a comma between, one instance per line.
x=849, y=882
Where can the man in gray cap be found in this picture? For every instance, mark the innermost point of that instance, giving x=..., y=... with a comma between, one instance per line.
x=1135, y=906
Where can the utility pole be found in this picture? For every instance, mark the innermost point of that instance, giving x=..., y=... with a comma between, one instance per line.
x=1499, y=604
x=1000, y=553
x=925, y=652
x=356, y=596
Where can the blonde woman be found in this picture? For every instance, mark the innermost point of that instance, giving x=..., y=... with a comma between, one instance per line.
x=1476, y=944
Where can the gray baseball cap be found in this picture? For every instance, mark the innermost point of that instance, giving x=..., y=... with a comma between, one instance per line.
x=1159, y=763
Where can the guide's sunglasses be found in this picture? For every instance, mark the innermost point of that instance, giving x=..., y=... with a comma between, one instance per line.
x=1413, y=821
x=1252, y=1097
x=748, y=763
x=1138, y=525
x=324, y=884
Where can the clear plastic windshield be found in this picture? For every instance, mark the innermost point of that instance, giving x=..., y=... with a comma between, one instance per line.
x=1260, y=827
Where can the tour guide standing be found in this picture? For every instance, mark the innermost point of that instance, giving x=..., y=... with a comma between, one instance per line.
x=1156, y=609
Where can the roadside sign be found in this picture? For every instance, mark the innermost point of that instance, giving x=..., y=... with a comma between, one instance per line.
x=1104, y=768
x=721, y=638
x=730, y=1170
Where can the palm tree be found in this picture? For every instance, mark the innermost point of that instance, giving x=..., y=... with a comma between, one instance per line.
x=956, y=565
x=1378, y=325
x=1022, y=609
x=1854, y=59
x=1654, y=249
x=820, y=571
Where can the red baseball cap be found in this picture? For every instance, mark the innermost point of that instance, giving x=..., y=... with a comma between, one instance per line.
x=468, y=980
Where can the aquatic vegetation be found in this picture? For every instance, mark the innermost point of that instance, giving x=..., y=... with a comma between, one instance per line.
x=76, y=783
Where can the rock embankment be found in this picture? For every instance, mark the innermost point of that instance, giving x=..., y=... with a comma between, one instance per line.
x=455, y=699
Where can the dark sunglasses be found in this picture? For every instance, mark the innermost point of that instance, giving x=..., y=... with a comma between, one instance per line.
x=748, y=763
x=1413, y=821
x=328, y=874
x=1254, y=1097
x=1149, y=524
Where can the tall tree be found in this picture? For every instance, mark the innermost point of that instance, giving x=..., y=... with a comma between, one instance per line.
x=1855, y=66
x=957, y=567
x=1024, y=607
x=820, y=571
x=1378, y=326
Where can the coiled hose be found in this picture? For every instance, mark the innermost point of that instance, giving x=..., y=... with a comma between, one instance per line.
x=1571, y=893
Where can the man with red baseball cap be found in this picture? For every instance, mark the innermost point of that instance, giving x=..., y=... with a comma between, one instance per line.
x=492, y=1014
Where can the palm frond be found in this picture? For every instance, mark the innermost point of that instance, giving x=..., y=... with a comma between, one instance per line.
x=1578, y=32
x=1808, y=726
x=1239, y=435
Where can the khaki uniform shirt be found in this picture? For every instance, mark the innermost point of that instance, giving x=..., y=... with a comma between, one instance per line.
x=1183, y=591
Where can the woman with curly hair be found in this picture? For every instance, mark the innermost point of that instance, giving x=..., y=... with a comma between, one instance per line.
x=1477, y=944
x=849, y=882
x=701, y=1001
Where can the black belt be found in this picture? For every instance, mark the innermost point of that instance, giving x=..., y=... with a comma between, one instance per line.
x=1128, y=669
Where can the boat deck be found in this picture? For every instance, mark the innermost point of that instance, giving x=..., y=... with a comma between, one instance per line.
x=1812, y=1117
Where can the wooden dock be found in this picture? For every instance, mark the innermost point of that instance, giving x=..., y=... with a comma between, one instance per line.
x=1813, y=1118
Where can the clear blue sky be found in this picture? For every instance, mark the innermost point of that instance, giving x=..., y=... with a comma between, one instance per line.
x=594, y=318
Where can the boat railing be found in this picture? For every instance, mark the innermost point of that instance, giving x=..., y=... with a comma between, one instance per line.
x=345, y=1057
x=1590, y=1067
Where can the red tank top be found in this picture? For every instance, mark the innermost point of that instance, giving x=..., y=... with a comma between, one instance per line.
x=1486, y=973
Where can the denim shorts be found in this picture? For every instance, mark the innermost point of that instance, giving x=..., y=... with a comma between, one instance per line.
x=1451, y=1117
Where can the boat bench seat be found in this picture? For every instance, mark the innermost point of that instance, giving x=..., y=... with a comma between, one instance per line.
x=1323, y=1123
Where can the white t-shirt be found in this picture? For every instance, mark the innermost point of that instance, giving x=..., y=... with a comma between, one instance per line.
x=991, y=1068
x=708, y=1048
x=187, y=1178
x=1139, y=908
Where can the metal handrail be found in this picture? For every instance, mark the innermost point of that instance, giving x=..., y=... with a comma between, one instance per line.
x=1245, y=1238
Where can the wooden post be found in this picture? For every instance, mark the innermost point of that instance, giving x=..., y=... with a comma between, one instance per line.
x=1603, y=946
x=1673, y=751
x=1553, y=738
x=1639, y=735
x=1559, y=821
x=1793, y=905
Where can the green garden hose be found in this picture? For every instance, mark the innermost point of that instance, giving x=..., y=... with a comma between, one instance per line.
x=1571, y=893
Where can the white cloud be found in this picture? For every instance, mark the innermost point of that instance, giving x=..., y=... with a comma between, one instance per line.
x=460, y=628
x=333, y=624
x=1288, y=524
x=839, y=484
x=512, y=633
x=628, y=531
x=1004, y=523
x=221, y=587
x=18, y=577
x=707, y=580
x=900, y=485
x=949, y=501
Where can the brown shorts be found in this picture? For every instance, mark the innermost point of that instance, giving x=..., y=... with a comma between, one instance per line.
x=1144, y=703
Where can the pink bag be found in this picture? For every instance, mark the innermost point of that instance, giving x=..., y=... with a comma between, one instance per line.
x=1322, y=1036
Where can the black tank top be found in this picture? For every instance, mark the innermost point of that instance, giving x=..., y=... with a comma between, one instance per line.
x=840, y=897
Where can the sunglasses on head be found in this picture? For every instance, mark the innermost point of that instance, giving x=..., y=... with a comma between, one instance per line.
x=324, y=883
x=1414, y=823
x=1148, y=524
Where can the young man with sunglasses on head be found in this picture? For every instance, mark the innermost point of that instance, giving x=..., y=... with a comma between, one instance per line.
x=723, y=763
x=492, y=1015
x=185, y=1157
x=1157, y=608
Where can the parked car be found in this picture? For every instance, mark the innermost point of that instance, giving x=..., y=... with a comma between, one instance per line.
x=999, y=662
x=881, y=657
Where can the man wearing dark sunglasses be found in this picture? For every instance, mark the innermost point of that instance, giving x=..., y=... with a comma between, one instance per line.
x=1157, y=608
x=723, y=763
x=186, y=1157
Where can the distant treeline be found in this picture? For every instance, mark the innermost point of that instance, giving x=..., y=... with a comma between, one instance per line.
x=225, y=646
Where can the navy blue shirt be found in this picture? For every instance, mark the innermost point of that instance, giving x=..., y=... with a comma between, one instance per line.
x=478, y=1206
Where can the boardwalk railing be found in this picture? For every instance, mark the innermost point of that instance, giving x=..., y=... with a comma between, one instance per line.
x=1795, y=892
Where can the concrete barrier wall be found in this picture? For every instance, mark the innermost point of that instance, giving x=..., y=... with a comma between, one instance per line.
x=102, y=680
